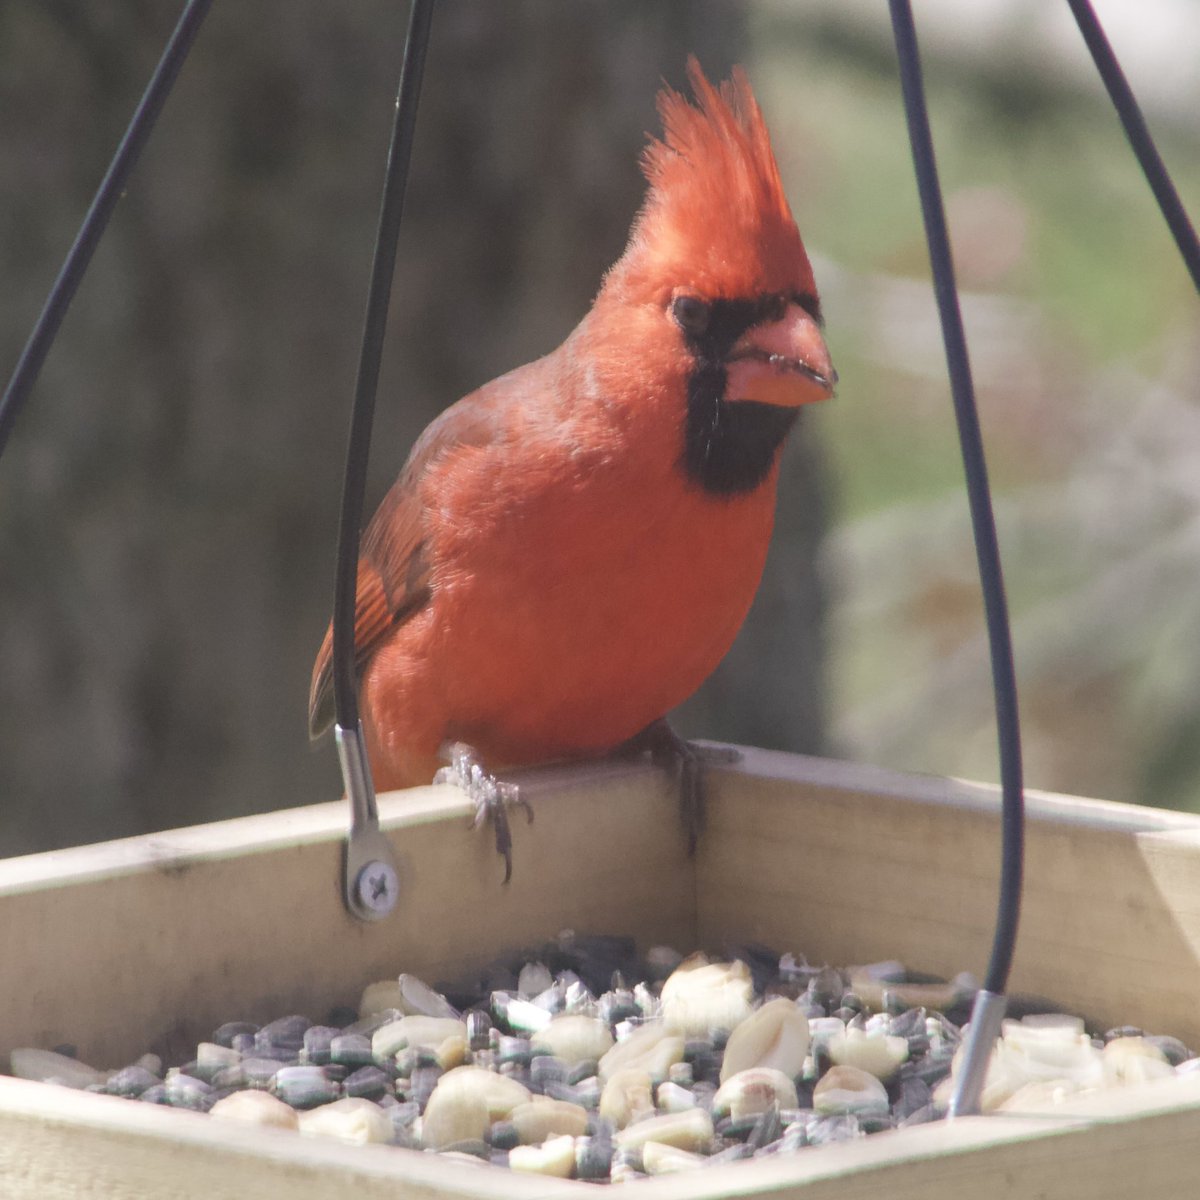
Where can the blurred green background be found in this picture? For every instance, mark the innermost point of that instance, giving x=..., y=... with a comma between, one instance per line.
x=1085, y=342
x=168, y=504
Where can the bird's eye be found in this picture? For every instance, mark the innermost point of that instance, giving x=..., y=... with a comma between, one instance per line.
x=691, y=314
x=775, y=308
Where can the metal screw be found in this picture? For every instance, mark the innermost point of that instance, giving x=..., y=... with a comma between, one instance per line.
x=377, y=887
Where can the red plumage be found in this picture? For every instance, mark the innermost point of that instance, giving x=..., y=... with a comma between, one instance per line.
x=570, y=550
x=716, y=217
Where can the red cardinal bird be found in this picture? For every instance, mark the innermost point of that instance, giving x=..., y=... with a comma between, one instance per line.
x=570, y=550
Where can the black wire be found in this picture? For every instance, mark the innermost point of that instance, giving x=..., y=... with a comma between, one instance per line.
x=29, y=365
x=987, y=550
x=345, y=682
x=1130, y=114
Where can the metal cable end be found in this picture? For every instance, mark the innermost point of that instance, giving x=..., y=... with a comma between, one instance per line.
x=370, y=881
x=984, y=1029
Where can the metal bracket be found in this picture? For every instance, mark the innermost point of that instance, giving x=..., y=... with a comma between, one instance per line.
x=986, y=1017
x=370, y=881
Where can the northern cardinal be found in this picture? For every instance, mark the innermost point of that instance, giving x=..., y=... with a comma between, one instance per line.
x=570, y=550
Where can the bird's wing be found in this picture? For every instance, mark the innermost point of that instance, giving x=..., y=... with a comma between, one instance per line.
x=393, y=570
x=392, y=584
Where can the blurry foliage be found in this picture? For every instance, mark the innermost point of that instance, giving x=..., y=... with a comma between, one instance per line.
x=1086, y=346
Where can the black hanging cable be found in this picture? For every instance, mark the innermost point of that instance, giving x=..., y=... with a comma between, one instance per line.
x=112, y=186
x=345, y=683
x=990, y=1004
x=370, y=881
x=1139, y=137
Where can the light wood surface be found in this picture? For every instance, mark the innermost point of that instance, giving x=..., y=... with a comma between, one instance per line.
x=156, y=940
x=1130, y=1145
x=849, y=864
x=56, y=1144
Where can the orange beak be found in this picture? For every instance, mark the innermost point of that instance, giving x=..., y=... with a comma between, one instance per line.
x=785, y=363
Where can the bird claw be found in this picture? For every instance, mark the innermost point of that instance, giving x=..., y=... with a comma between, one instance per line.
x=492, y=797
x=685, y=760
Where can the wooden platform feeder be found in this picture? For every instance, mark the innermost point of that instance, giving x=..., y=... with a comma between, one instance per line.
x=156, y=940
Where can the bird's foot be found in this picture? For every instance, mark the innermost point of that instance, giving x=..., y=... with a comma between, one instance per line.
x=686, y=761
x=492, y=797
